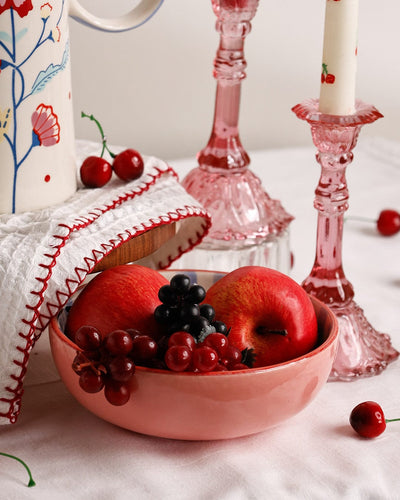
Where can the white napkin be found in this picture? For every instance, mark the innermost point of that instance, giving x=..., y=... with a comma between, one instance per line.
x=46, y=254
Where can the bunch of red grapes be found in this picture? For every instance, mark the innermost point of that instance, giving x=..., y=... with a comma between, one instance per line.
x=194, y=341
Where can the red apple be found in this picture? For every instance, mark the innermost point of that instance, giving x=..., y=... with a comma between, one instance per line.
x=119, y=298
x=266, y=311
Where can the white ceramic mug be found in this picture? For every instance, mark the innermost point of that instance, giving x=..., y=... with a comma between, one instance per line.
x=37, y=143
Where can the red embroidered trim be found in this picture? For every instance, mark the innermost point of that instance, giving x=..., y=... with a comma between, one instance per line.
x=39, y=320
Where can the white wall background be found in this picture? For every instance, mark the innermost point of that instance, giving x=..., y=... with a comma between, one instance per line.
x=153, y=90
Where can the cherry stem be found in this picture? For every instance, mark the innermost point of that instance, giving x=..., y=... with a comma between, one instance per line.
x=360, y=218
x=31, y=481
x=392, y=420
x=103, y=137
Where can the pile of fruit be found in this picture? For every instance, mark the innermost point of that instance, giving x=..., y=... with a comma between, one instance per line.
x=132, y=316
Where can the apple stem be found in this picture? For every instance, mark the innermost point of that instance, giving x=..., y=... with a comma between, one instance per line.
x=31, y=481
x=103, y=137
x=262, y=330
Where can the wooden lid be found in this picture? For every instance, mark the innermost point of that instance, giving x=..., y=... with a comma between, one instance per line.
x=137, y=247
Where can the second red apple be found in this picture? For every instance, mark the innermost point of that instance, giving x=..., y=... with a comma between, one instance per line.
x=266, y=311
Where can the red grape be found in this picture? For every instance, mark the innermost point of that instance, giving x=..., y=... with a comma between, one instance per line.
x=232, y=356
x=144, y=348
x=118, y=342
x=121, y=368
x=183, y=339
x=218, y=341
x=178, y=358
x=90, y=381
x=204, y=359
x=117, y=393
x=87, y=338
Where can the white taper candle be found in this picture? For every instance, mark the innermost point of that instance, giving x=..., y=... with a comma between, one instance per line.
x=339, y=60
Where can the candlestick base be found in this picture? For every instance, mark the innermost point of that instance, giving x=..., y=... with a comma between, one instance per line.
x=248, y=227
x=362, y=351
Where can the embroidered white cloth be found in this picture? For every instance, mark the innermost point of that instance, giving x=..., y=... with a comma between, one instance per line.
x=46, y=254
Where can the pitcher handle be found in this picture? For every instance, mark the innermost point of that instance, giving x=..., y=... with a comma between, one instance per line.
x=133, y=19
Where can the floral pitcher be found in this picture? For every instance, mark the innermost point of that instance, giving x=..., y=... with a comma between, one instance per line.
x=37, y=151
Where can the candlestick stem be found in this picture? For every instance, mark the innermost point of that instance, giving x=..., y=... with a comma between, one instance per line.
x=362, y=350
x=224, y=149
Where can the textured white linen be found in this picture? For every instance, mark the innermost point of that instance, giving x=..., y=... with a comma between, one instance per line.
x=315, y=455
x=46, y=254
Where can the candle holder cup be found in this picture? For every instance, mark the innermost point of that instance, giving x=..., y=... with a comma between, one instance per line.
x=362, y=351
x=248, y=227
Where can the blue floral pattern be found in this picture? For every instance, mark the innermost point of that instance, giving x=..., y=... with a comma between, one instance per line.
x=45, y=125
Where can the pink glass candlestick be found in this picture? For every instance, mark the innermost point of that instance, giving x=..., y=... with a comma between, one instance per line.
x=248, y=227
x=362, y=350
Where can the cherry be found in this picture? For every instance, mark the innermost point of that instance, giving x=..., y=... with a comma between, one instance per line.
x=128, y=165
x=95, y=172
x=368, y=419
x=388, y=222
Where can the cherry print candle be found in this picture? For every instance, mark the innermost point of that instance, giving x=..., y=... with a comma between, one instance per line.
x=339, y=60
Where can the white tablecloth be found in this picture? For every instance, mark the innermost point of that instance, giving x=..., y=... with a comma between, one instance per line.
x=315, y=455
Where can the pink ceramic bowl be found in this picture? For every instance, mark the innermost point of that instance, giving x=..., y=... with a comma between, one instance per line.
x=218, y=405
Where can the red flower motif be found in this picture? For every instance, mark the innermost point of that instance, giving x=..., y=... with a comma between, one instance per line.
x=21, y=7
x=46, y=129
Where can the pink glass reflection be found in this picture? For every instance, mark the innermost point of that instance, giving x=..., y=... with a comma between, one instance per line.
x=362, y=351
x=242, y=213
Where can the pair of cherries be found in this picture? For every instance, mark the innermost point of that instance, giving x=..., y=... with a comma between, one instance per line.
x=96, y=171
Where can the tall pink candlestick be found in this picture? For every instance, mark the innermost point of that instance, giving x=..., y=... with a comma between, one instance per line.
x=248, y=227
x=362, y=350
